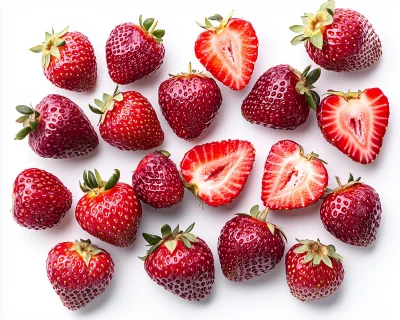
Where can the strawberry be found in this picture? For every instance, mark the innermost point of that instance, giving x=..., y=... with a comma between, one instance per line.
x=109, y=210
x=57, y=128
x=340, y=40
x=134, y=51
x=229, y=51
x=157, y=182
x=313, y=270
x=216, y=172
x=79, y=272
x=68, y=60
x=291, y=179
x=180, y=262
x=282, y=98
x=128, y=121
x=189, y=102
x=39, y=200
x=355, y=122
x=352, y=212
x=248, y=246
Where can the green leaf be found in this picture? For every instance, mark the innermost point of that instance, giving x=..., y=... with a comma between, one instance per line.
x=153, y=248
x=216, y=17
x=37, y=49
x=24, y=109
x=60, y=43
x=351, y=178
x=301, y=249
x=148, y=23
x=330, y=4
x=106, y=97
x=305, y=72
x=110, y=105
x=313, y=99
x=22, y=119
x=166, y=231
x=308, y=257
x=175, y=231
x=254, y=211
x=327, y=261
x=201, y=25
x=191, y=237
x=298, y=39
x=300, y=88
x=306, y=242
x=171, y=245
x=328, y=20
x=159, y=33
x=84, y=188
x=186, y=242
x=271, y=228
x=330, y=11
x=22, y=133
x=313, y=76
x=151, y=239
x=92, y=180
x=85, y=179
x=55, y=52
x=208, y=23
x=141, y=20
x=298, y=28
x=305, y=20
x=317, y=259
x=99, y=103
x=95, y=110
x=33, y=125
x=47, y=36
x=46, y=60
x=317, y=39
x=63, y=32
x=190, y=228
x=113, y=180
x=119, y=97
x=98, y=178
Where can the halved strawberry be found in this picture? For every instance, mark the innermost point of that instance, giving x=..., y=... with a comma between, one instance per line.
x=216, y=172
x=355, y=122
x=291, y=179
x=228, y=51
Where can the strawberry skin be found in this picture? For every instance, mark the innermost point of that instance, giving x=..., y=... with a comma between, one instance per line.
x=40, y=199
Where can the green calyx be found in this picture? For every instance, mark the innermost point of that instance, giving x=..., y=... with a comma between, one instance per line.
x=311, y=155
x=94, y=185
x=216, y=17
x=29, y=119
x=347, y=96
x=107, y=104
x=149, y=25
x=164, y=153
x=350, y=182
x=170, y=239
x=86, y=250
x=190, y=72
x=313, y=25
x=49, y=47
x=305, y=85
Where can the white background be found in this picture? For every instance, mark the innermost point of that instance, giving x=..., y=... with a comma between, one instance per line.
x=370, y=288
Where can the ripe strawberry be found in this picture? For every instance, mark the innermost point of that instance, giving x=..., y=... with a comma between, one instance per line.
x=79, y=272
x=189, y=102
x=134, y=51
x=109, y=210
x=282, y=98
x=229, y=51
x=128, y=121
x=157, y=182
x=216, y=172
x=180, y=262
x=291, y=179
x=68, y=60
x=39, y=200
x=355, y=122
x=248, y=246
x=57, y=128
x=313, y=270
x=340, y=40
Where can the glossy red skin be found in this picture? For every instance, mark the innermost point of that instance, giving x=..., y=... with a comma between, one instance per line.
x=76, y=283
x=132, y=124
x=63, y=131
x=187, y=273
x=132, y=53
x=40, y=199
x=352, y=215
x=113, y=216
x=189, y=104
x=350, y=43
x=308, y=282
x=76, y=69
x=274, y=102
x=247, y=248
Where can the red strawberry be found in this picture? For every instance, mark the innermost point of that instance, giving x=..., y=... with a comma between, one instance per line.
x=109, y=210
x=79, y=272
x=157, y=182
x=216, y=172
x=128, y=121
x=352, y=212
x=282, y=98
x=229, y=51
x=340, y=40
x=313, y=270
x=134, y=51
x=248, y=246
x=57, y=128
x=355, y=122
x=68, y=60
x=189, y=103
x=180, y=262
x=39, y=200
x=291, y=179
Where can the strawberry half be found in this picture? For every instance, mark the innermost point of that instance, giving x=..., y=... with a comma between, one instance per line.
x=291, y=179
x=355, y=122
x=216, y=172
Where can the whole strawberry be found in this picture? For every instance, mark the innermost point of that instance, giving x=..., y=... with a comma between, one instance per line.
x=128, y=121
x=340, y=40
x=134, y=51
x=157, y=182
x=68, y=60
x=57, y=128
x=109, y=210
x=39, y=200
x=352, y=212
x=189, y=102
x=180, y=262
x=313, y=270
x=282, y=97
x=248, y=246
x=79, y=272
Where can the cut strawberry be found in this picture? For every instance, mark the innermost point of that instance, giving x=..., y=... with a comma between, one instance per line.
x=216, y=172
x=291, y=179
x=355, y=122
